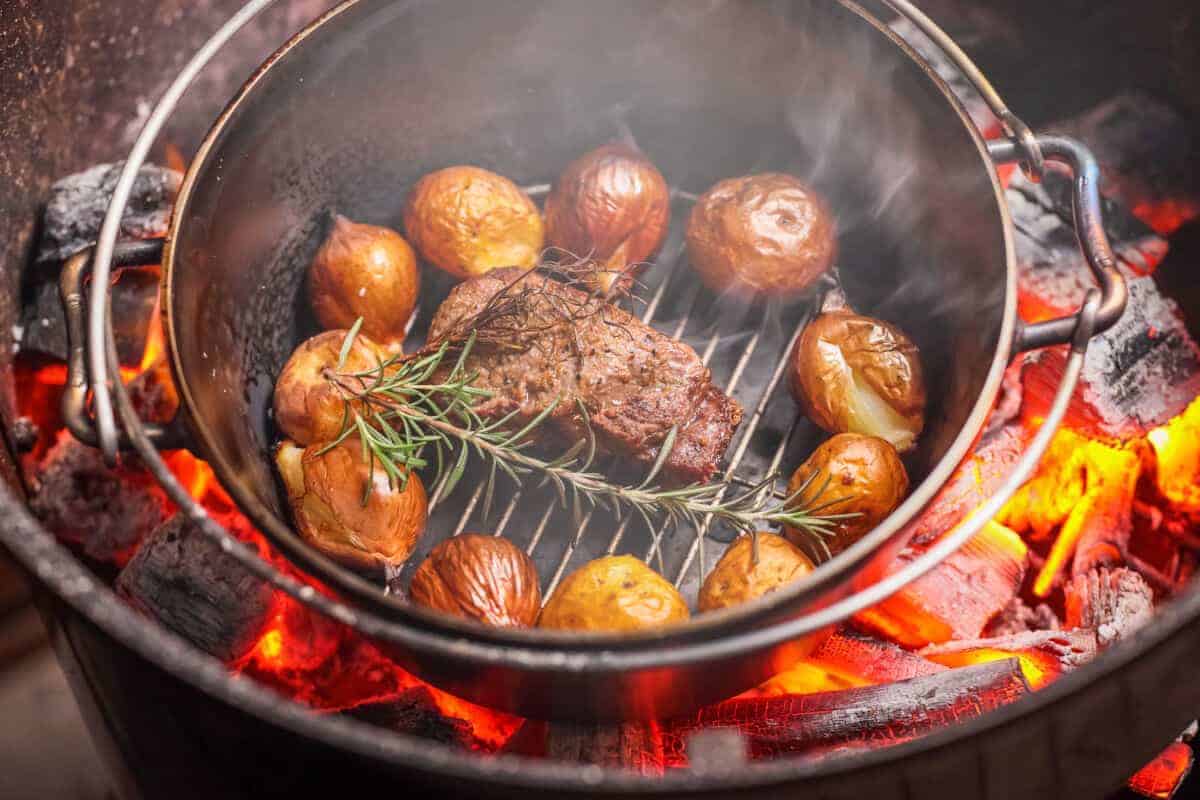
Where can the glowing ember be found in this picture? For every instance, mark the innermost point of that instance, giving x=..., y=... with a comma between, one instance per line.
x=1163, y=776
x=1177, y=450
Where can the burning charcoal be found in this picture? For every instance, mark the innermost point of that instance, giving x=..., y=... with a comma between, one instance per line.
x=78, y=203
x=1140, y=373
x=1163, y=776
x=134, y=296
x=105, y=511
x=416, y=713
x=975, y=480
x=183, y=579
x=870, y=716
x=1146, y=156
x=1043, y=655
x=1018, y=617
x=1106, y=514
x=957, y=598
x=868, y=660
x=1113, y=603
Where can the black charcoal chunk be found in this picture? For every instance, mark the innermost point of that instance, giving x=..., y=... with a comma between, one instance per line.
x=184, y=580
x=78, y=203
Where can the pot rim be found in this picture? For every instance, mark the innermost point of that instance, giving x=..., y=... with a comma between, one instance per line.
x=760, y=624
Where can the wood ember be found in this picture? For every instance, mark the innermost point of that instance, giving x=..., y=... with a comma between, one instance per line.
x=957, y=598
x=868, y=716
x=1162, y=777
x=105, y=511
x=416, y=713
x=184, y=580
x=1140, y=373
x=1147, y=157
x=1019, y=617
x=1106, y=513
x=78, y=203
x=1043, y=655
x=973, y=482
x=1114, y=603
x=870, y=660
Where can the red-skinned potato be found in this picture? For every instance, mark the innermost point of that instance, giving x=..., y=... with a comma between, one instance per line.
x=853, y=474
x=364, y=271
x=485, y=578
x=767, y=233
x=750, y=569
x=857, y=374
x=325, y=491
x=468, y=221
x=611, y=206
x=309, y=408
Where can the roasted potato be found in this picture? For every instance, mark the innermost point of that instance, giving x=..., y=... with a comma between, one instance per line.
x=614, y=593
x=611, y=206
x=325, y=492
x=857, y=374
x=743, y=574
x=364, y=271
x=484, y=578
x=467, y=221
x=853, y=474
x=309, y=408
x=765, y=233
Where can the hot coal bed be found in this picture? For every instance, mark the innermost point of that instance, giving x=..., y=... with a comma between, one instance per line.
x=1106, y=535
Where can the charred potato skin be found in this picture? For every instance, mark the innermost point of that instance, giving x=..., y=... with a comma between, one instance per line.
x=766, y=233
x=865, y=476
x=737, y=578
x=615, y=594
x=838, y=345
x=484, y=578
x=468, y=221
x=364, y=271
x=611, y=205
x=308, y=408
x=325, y=492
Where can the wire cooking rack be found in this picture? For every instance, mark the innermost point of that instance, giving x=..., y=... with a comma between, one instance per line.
x=745, y=345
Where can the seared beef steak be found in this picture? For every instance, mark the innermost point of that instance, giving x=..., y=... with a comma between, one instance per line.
x=634, y=382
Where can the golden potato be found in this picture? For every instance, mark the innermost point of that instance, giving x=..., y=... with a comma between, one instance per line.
x=364, y=271
x=611, y=206
x=468, y=221
x=614, y=593
x=861, y=475
x=765, y=233
x=325, y=492
x=485, y=578
x=741, y=575
x=309, y=408
x=857, y=374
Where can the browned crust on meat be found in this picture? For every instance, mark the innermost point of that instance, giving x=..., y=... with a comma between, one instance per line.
x=634, y=382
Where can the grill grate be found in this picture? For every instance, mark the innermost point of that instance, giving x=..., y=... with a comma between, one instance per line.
x=744, y=345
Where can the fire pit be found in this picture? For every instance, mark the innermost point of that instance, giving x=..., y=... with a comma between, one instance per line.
x=1014, y=627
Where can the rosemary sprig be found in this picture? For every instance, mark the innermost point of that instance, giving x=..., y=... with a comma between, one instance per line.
x=406, y=419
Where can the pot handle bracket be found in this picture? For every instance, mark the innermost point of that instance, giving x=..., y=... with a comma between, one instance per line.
x=76, y=410
x=1089, y=228
x=1034, y=151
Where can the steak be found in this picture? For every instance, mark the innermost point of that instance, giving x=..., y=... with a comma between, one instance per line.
x=634, y=382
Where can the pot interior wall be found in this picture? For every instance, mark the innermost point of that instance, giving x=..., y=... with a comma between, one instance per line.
x=384, y=92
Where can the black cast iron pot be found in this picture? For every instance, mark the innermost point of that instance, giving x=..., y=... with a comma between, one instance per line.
x=376, y=94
